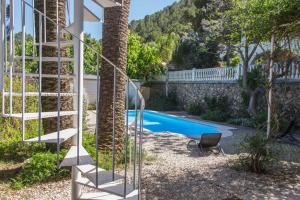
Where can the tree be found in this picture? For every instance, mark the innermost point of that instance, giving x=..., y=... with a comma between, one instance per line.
x=115, y=39
x=266, y=21
x=50, y=84
x=143, y=61
x=196, y=52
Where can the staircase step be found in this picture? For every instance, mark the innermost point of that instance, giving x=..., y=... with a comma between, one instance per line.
x=104, y=176
x=107, y=3
x=45, y=59
x=52, y=137
x=69, y=29
x=31, y=116
x=114, y=187
x=30, y=75
x=71, y=157
x=54, y=44
x=44, y=94
x=107, y=196
x=89, y=16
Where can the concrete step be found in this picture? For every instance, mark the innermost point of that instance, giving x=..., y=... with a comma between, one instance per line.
x=71, y=157
x=64, y=135
x=107, y=196
x=107, y=3
x=32, y=75
x=43, y=94
x=45, y=59
x=104, y=176
x=32, y=116
x=63, y=44
x=89, y=16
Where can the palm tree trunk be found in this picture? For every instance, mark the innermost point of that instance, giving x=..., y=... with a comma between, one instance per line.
x=115, y=39
x=50, y=84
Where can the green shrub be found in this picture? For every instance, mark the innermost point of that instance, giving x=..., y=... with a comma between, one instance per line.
x=260, y=120
x=217, y=116
x=195, y=109
x=217, y=103
x=161, y=103
x=257, y=154
x=248, y=122
x=105, y=158
x=11, y=127
x=14, y=150
x=42, y=167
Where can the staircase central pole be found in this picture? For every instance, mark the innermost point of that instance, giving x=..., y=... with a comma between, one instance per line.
x=78, y=87
x=2, y=50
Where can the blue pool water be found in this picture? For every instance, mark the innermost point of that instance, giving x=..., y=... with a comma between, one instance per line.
x=159, y=122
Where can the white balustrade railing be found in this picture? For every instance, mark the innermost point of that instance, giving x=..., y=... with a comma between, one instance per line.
x=292, y=72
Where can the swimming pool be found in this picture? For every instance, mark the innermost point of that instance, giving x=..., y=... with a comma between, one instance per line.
x=160, y=122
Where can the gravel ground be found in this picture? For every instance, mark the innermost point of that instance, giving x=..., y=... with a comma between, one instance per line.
x=178, y=174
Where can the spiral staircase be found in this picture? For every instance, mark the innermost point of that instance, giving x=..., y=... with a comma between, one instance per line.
x=114, y=184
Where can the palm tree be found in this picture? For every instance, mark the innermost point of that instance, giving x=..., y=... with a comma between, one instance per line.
x=50, y=84
x=115, y=38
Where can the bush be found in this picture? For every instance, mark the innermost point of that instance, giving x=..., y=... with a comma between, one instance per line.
x=42, y=167
x=11, y=127
x=217, y=116
x=217, y=104
x=195, y=109
x=248, y=122
x=260, y=120
x=14, y=150
x=257, y=154
x=162, y=103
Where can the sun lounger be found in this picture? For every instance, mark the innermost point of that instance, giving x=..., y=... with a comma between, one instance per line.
x=206, y=141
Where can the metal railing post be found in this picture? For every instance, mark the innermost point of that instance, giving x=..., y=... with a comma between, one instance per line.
x=45, y=21
x=97, y=121
x=140, y=150
x=2, y=53
x=113, y=130
x=40, y=74
x=126, y=137
x=23, y=69
x=135, y=138
x=58, y=90
x=11, y=55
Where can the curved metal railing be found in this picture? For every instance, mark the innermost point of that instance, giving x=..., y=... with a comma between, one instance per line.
x=139, y=104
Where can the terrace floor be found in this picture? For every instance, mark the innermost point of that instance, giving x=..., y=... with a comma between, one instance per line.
x=180, y=174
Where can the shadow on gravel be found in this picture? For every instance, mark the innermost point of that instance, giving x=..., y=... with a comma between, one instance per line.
x=219, y=183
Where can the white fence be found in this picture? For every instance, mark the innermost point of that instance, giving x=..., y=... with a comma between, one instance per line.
x=226, y=74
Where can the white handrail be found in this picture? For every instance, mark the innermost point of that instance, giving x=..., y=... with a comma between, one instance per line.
x=292, y=72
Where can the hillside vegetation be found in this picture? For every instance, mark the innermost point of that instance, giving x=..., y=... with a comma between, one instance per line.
x=197, y=24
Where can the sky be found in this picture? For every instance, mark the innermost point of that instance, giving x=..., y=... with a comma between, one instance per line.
x=138, y=10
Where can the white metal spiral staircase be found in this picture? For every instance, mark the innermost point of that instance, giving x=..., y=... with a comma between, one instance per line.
x=112, y=185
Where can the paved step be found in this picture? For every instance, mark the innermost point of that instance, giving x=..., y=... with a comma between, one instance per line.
x=31, y=116
x=63, y=44
x=52, y=137
x=45, y=59
x=104, y=176
x=107, y=196
x=44, y=94
x=31, y=75
x=89, y=16
x=114, y=187
x=71, y=157
x=107, y=3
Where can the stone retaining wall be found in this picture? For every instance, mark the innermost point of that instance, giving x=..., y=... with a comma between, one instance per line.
x=286, y=95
